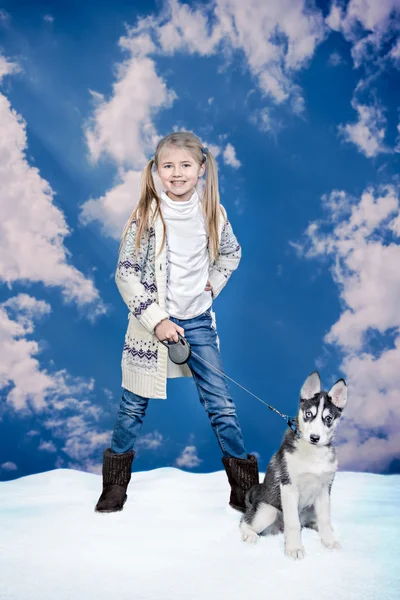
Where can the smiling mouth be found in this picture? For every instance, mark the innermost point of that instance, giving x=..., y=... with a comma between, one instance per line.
x=178, y=182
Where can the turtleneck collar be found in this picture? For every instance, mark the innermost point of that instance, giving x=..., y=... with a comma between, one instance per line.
x=182, y=207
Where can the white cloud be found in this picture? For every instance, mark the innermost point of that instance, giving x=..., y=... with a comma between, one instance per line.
x=32, y=227
x=57, y=400
x=184, y=28
x=112, y=210
x=229, y=155
x=122, y=127
x=297, y=103
x=48, y=19
x=361, y=239
x=368, y=454
x=47, y=446
x=150, y=441
x=372, y=29
x=277, y=39
x=395, y=53
x=19, y=366
x=32, y=230
x=365, y=265
x=7, y=67
x=8, y=466
x=369, y=26
x=368, y=132
x=397, y=146
x=262, y=118
x=188, y=458
x=335, y=59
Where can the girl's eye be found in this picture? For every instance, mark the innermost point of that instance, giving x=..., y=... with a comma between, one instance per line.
x=185, y=165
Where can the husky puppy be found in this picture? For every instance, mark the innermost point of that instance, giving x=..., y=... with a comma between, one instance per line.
x=297, y=485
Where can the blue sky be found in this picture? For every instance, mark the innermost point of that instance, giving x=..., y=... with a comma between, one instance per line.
x=300, y=108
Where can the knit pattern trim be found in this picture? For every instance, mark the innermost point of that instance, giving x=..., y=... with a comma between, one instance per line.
x=143, y=268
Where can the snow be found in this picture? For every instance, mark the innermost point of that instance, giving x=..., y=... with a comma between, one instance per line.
x=177, y=537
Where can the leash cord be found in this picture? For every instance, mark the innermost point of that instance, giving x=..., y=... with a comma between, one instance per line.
x=288, y=420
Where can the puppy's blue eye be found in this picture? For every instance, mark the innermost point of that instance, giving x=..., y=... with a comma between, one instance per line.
x=328, y=419
x=308, y=414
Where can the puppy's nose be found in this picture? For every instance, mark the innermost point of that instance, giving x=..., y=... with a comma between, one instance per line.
x=314, y=438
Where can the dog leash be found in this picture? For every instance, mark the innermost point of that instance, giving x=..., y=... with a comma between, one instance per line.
x=179, y=352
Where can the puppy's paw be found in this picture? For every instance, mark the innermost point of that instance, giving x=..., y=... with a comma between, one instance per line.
x=248, y=534
x=331, y=544
x=295, y=553
x=251, y=537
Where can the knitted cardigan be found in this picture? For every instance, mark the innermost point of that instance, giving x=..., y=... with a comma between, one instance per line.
x=142, y=284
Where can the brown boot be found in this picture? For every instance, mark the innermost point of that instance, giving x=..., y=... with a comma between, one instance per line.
x=116, y=476
x=242, y=474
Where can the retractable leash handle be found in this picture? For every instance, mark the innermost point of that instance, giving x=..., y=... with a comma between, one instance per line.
x=180, y=351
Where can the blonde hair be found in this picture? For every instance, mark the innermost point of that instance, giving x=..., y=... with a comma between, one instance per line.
x=210, y=197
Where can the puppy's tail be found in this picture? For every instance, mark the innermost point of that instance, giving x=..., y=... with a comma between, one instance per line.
x=250, y=494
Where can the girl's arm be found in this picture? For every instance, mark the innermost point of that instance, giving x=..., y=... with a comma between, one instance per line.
x=127, y=277
x=230, y=253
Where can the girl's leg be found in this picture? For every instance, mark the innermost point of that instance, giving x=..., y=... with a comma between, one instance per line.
x=212, y=386
x=129, y=422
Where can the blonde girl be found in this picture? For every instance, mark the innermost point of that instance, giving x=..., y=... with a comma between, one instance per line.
x=177, y=252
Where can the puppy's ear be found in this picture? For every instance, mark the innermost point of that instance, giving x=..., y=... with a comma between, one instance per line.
x=338, y=393
x=311, y=386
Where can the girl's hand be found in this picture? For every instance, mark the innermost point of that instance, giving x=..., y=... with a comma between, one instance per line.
x=208, y=287
x=166, y=330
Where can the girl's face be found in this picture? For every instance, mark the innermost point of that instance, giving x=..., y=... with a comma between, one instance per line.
x=179, y=172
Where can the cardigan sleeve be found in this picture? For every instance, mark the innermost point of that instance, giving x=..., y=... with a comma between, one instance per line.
x=127, y=277
x=228, y=259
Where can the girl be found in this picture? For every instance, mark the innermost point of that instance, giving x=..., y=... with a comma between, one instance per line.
x=177, y=252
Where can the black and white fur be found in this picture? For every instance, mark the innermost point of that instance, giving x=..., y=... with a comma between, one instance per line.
x=296, y=489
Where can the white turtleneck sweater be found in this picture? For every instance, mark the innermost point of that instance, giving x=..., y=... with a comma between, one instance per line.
x=188, y=261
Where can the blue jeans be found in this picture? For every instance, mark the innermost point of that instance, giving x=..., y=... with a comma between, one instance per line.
x=212, y=388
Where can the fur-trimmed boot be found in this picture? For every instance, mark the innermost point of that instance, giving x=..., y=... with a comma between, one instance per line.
x=242, y=474
x=116, y=476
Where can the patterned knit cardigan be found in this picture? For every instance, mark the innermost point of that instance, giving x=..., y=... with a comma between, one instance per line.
x=142, y=284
